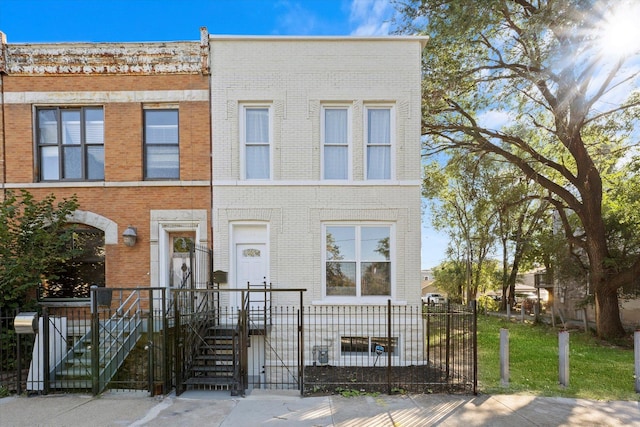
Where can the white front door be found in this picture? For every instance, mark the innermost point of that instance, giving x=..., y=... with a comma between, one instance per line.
x=251, y=272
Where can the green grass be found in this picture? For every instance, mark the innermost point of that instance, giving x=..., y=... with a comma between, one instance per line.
x=596, y=370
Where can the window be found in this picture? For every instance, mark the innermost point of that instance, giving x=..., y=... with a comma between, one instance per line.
x=162, y=156
x=371, y=346
x=358, y=260
x=256, y=142
x=70, y=143
x=335, y=142
x=379, y=138
x=86, y=268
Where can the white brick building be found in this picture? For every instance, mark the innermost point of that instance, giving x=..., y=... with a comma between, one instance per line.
x=316, y=142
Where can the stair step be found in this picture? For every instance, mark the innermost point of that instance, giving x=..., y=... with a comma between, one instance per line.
x=219, y=357
x=215, y=347
x=219, y=337
x=70, y=384
x=213, y=368
x=209, y=381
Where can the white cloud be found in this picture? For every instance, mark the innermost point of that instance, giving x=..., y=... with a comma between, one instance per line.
x=371, y=17
x=494, y=119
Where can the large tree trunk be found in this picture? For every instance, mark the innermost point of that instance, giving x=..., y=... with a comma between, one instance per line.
x=608, y=321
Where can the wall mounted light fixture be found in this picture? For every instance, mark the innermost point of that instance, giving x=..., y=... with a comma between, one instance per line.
x=129, y=236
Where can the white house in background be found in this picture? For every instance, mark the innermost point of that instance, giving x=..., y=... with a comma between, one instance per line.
x=316, y=166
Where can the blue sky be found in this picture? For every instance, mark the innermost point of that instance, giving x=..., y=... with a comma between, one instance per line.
x=38, y=21
x=169, y=20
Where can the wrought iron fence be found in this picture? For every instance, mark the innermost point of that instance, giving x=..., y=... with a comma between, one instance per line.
x=429, y=348
x=143, y=344
x=118, y=341
x=15, y=354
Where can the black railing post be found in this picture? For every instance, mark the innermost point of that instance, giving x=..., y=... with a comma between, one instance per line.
x=389, y=346
x=19, y=361
x=475, y=347
x=301, y=347
x=45, y=350
x=95, y=342
x=151, y=367
x=448, y=338
x=178, y=347
x=425, y=310
x=165, y=344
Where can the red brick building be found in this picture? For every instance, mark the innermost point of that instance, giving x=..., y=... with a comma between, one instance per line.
x=126, y=128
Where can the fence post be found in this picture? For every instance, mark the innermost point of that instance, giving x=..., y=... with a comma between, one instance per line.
x=563, y=366
x=150, y=345
x=448, y=337
x=177, y=346
x=504, y=357
x=95, y=342
x=45, y=350
x=301, y=345
x=475, y=347
x=389, y=346
x=19, y=361
x=636, y=351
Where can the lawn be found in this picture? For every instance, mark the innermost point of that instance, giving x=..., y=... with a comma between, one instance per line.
x=596, y=370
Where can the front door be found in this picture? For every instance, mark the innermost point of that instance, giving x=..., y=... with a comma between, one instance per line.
x=251, y=273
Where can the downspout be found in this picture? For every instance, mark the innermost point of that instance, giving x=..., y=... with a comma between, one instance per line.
x=205, y=51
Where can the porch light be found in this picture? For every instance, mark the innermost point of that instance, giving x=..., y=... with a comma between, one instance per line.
x=129, y=236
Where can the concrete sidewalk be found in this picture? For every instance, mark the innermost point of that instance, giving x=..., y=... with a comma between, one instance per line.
x=275, y=408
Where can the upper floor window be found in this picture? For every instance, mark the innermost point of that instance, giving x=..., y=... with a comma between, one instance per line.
x=70, y=143
x=161, y=144
x=335, y=142
x=256, y=142
x=379, y=140
x=358, y=260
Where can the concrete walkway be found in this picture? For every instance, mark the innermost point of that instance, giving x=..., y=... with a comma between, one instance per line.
x=282, y=408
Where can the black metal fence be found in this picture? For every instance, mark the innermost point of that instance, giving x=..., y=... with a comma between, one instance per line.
x=117, y=341
x=422, y=349
x=204, y=341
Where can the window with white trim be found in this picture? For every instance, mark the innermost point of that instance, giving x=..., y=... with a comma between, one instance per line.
x=161, y=144
x=70, y=143
x=379, y=140
x=256, y=141
x=336, y=135
x=358, y=260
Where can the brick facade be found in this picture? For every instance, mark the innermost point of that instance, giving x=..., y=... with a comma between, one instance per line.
x=123, y=79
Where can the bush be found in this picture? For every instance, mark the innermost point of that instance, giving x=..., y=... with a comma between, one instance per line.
x=486, y=303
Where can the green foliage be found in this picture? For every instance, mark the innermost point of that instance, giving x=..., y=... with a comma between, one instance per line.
x=486, y=304
x=533, y=357
x=531, y=84
x=34, y=243
x=349, y=392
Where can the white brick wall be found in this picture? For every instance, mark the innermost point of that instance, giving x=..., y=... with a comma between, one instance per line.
x=296, y=76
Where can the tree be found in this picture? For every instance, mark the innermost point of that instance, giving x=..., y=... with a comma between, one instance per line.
x=533, y=83
x=34, y=243
x=461, y=205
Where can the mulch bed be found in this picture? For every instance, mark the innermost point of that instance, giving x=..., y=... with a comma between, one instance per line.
x=323, y=380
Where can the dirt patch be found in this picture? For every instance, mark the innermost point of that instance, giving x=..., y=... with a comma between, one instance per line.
x=322, y=380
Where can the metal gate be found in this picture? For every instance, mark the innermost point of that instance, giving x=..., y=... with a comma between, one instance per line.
x=236, y=348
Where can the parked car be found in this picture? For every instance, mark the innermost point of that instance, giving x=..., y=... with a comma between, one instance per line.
x=433, y=298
